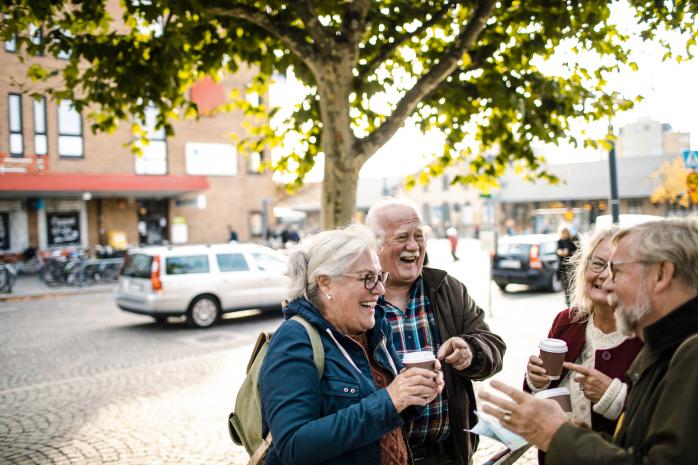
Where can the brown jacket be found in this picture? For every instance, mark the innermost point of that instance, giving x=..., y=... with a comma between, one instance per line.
x=457, y=314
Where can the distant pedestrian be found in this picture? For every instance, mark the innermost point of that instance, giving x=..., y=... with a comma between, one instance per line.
x=566, y=247
x=452, y=235
x=233, y=234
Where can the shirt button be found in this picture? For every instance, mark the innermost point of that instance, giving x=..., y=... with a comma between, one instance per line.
x=346, y=389
x=353, y=391
x=606, y=355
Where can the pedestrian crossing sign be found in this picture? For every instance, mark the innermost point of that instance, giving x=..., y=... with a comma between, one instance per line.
x=690, y=159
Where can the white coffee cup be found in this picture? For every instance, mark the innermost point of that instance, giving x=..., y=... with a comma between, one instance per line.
x=423, y=359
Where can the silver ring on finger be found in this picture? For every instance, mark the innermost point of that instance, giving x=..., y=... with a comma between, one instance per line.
x=506, y=418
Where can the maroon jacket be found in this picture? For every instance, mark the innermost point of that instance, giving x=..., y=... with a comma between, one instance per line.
x=612, y=362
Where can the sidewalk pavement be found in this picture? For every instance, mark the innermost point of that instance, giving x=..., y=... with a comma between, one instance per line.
x=31, y=288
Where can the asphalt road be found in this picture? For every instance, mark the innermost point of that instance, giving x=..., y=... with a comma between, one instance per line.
x=82, y=382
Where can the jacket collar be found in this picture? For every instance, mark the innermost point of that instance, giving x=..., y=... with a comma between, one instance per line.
x=433, y=278
x=311, y=313
x=664, y=334
x=674, y=327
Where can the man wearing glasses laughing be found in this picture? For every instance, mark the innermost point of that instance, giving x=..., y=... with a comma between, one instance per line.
x=653, y=285
x=432, y=311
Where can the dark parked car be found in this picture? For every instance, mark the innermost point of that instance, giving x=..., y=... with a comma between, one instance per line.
x=528, y=259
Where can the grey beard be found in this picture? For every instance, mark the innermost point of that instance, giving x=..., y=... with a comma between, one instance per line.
x=628, y=317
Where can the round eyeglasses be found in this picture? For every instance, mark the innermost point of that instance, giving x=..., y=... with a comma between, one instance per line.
x=371, y=280
x=597, y=265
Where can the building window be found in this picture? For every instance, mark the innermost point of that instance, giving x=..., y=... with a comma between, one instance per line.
x=255, y=162
x=153, y=161
x=40, y=134
x=635, y=206
x=16, y=132
x=444, y=181
x=69, y=130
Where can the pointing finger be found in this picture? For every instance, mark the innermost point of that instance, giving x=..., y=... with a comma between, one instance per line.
x=578, y=368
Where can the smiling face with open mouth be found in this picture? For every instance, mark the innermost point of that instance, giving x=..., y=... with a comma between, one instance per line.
x=352, y=307
x=402, y=251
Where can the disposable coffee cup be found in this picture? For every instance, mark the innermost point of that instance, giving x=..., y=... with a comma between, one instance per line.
x=423, y=359
x=560, y=395
x=552, y=352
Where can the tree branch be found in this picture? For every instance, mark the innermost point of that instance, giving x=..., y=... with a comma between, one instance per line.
x=306, y=13
x=389, y=48
x=286, y=35
x=448, y=62
x=354, y=21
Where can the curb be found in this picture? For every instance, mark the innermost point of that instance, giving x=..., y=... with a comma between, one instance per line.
x=53, y=294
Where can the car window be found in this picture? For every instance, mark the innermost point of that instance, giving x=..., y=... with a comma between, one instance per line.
x=231, y=262
x=187, y=265
x=548, y=248
x=137, y=265
x=513, y=249
x=268, y=262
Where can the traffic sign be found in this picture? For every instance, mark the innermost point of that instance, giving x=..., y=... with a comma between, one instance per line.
x=690, y=159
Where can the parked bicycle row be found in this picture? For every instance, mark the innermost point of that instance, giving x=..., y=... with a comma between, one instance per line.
x=73, y=266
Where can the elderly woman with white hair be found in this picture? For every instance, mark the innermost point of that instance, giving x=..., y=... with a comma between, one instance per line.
x=353, y=414
x=598, y=355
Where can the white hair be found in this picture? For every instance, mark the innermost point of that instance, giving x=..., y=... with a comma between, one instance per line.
x=373, y=217
x=329, y=253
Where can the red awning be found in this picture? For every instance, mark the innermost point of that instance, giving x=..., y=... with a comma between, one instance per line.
x=100, y=185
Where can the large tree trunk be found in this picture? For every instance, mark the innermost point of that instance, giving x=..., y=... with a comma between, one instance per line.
x=338, y=193
x=342, y=165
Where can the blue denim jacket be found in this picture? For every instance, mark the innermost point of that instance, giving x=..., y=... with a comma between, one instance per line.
x=338, y=419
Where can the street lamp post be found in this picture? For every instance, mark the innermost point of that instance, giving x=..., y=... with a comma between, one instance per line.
x=615, y=202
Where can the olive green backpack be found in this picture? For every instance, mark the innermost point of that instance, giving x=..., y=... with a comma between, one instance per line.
x=245, y=421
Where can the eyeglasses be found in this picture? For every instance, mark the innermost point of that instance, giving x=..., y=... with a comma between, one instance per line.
x=597, y=265
x=613, y=266
x=371, y=280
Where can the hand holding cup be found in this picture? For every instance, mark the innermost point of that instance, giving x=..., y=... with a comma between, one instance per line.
x=536, y=373
x=416, y=386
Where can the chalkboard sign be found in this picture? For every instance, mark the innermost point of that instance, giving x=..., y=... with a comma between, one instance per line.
x=4, y=231
x=63, y=228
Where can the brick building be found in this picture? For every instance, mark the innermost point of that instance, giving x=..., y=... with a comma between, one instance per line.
x=60, y=184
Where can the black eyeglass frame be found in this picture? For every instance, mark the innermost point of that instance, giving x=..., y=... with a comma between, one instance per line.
x=371, y=280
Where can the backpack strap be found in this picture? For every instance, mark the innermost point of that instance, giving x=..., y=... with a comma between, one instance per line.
x=318, y=358
x=316, y=342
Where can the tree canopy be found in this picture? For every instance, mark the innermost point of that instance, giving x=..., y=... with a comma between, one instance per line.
x=470, y=69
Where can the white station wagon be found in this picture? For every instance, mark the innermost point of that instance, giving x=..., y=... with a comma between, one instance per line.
x=201, y=281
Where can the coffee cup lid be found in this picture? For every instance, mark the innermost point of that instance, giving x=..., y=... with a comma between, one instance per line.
x=418, y=357
x=553, y=345
x=554, y=392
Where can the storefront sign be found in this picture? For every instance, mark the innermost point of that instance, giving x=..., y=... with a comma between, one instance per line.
x=63, y=228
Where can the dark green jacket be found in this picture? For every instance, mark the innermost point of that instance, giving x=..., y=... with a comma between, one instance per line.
x=660, y=424
x=457, y=314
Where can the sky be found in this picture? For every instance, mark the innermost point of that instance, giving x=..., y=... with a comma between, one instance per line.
x=668, y=88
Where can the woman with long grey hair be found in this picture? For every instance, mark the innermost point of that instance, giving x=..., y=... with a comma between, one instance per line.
x=352, y=415
x=598, y=355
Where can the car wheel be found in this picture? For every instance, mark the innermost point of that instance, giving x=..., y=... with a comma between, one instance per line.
x=555, y=283
x=160, y=319
x=203, y=311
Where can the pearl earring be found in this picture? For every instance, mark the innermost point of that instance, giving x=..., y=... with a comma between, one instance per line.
x=329, y=297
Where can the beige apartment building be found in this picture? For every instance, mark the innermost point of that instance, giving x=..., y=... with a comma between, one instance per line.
x=60, y=184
